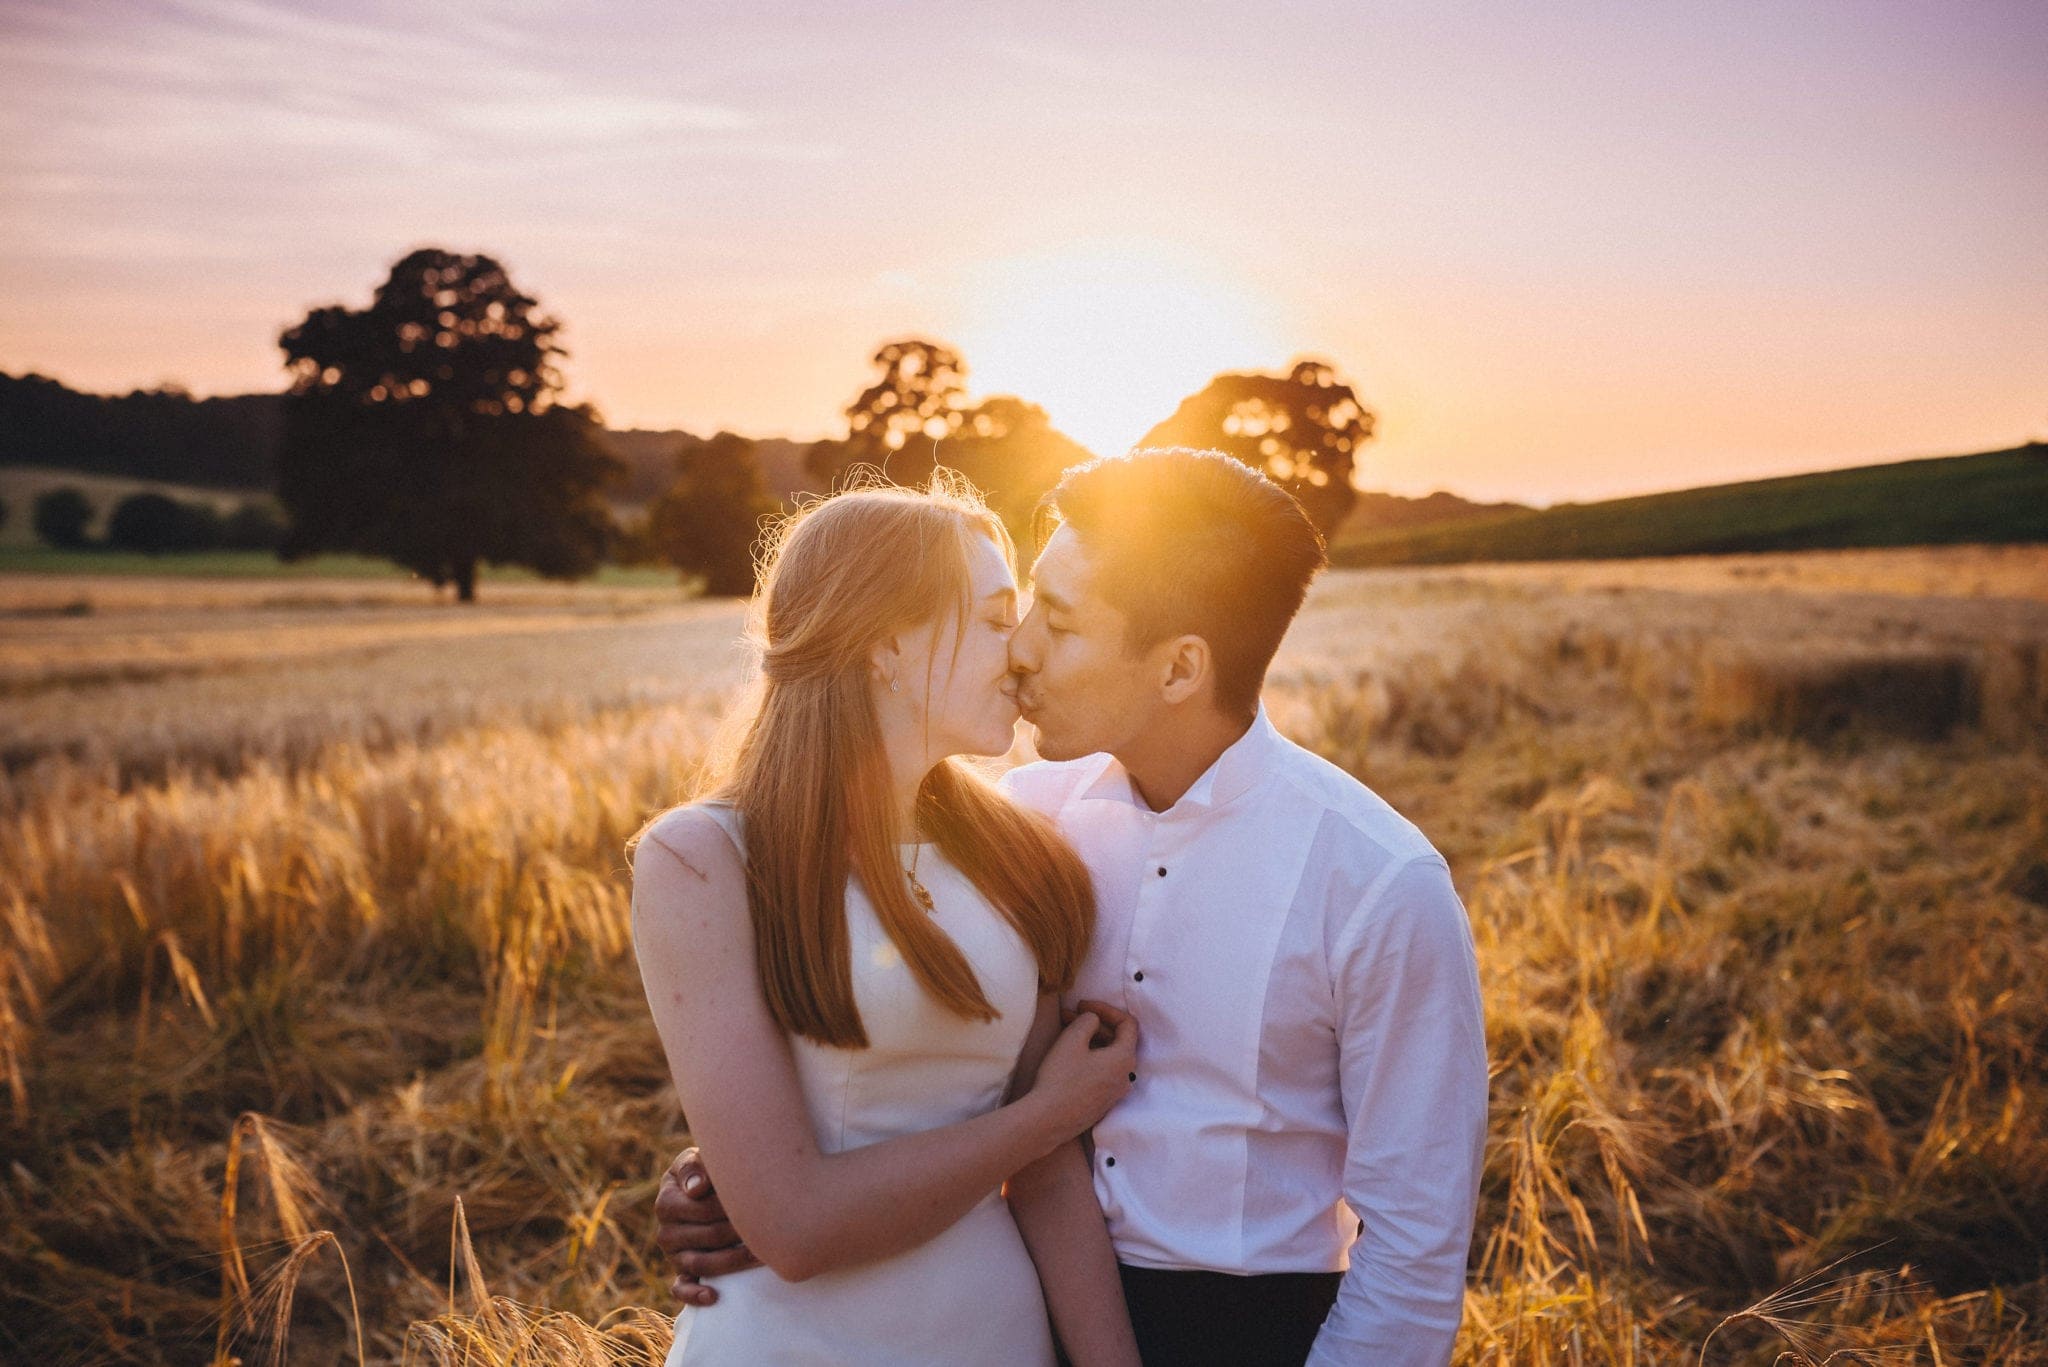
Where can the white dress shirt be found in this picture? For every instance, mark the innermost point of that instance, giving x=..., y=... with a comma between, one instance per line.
x=1311, y=1053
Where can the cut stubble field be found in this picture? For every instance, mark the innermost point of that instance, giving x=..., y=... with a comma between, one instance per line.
x=315, y=962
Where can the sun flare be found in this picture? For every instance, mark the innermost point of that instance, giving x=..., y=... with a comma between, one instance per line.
x=1110, y=338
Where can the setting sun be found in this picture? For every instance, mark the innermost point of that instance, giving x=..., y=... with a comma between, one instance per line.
x=1110, y=337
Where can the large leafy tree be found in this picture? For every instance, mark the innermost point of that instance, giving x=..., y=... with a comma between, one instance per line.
x=159, y=434
x=1013, y=453
x=916, y=399
x=1303, y=429
x=426, y=429
x=916, y=415
x=710, y=519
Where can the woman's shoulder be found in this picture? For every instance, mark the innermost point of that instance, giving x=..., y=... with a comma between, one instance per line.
x=701, y=834
x=689, y=897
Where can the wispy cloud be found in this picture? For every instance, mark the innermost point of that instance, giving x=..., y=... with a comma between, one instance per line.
x=221, y=122
x=199, y=76
x=570, y=113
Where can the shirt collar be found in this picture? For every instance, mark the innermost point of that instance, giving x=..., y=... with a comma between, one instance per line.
x=1236, y=771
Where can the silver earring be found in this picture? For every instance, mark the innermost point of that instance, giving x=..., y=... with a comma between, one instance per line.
x=892, y=686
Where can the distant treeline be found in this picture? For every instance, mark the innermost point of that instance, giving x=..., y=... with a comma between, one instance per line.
x=160, y=434
x=231, y=443
x=650, y=460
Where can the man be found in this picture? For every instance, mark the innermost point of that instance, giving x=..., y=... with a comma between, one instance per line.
x=1293, y=1177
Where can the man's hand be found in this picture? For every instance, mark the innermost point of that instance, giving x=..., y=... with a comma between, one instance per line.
x=692, y=1230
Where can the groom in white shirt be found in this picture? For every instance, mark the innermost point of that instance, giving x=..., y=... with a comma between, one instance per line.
x=1293, y=1178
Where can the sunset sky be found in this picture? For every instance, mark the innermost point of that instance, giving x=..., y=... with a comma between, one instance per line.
x=1565, y=250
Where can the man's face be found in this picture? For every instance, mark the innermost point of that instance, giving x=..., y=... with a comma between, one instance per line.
x=1077, y=684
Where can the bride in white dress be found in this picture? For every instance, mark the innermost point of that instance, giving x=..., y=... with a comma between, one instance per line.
x=853, y=949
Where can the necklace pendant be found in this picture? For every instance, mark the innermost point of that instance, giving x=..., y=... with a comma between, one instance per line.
x=924, y=899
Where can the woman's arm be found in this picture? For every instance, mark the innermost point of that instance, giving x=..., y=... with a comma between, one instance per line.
x=1053, y=1202
x=802, y=1211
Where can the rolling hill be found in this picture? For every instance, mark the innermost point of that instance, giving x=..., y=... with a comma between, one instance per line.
x=1992, y=497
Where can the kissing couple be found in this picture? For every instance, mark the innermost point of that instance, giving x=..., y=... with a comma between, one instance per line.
x=1165, y=1049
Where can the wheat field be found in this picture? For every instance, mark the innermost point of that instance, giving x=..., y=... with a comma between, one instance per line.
x=320, y=1033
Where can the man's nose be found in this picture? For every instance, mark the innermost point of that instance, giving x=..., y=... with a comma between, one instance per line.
x=1024, y=643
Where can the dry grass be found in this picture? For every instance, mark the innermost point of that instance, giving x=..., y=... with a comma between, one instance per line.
x=1920, y=696
x=1767, y=1002
x=1904, y=572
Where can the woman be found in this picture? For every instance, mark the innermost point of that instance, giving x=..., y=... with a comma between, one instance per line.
x=853, y=952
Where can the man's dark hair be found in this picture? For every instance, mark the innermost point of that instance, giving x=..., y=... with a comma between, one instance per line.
x=1190, y=542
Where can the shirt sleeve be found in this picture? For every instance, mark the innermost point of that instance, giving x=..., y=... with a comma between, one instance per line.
x=1412, y=1066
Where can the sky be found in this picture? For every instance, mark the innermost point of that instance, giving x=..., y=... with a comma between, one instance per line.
x=1563, y=251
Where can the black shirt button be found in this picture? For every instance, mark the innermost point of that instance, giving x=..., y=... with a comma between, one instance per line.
x=1111, y=1161
x=1138, y=977
x=1162, y=870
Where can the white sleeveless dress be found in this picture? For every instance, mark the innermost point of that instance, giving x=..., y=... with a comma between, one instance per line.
x=969, y=1296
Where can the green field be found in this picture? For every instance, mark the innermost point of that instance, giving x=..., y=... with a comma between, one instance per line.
x=264, y=565
x=1995, y=498
x=209, y=564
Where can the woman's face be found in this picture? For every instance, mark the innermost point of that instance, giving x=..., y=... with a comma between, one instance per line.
x=968, y=709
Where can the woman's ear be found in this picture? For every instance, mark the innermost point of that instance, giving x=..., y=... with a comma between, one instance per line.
x=1185, y=668
x=885, y=661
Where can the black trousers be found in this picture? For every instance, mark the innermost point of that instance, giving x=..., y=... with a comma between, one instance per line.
x=1215, y=1319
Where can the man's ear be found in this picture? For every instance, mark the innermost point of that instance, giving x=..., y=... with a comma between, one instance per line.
x=1185, y=668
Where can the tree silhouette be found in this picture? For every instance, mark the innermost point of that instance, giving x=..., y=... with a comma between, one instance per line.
x=1303, y=429
x=916, y=400
x=156, y=523
x=710, y=518
x=916, y=416
x=425, y=429
x=1013, y=453
x=60, y=516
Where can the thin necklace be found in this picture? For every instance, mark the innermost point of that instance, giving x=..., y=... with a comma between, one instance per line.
x=924, y=898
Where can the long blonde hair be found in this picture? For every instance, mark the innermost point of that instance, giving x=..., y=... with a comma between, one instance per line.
x=806, y=770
